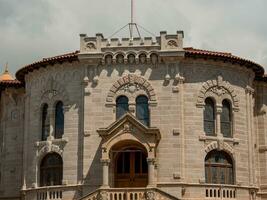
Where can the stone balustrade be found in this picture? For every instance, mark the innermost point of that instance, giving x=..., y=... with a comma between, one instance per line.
x=220, y=192
x=51, y=193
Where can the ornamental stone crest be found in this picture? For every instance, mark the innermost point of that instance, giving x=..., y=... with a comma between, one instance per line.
x=219, y=89
x=131, y=84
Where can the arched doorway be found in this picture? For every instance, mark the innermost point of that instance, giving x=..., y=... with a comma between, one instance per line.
x=129, y=165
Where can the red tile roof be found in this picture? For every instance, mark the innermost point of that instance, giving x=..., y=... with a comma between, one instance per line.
x=189, y=53
x=10, y=83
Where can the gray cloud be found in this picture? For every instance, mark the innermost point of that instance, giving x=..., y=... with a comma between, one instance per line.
x=33, y=29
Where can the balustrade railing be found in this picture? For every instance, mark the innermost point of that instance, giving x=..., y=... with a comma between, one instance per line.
x=214, y=192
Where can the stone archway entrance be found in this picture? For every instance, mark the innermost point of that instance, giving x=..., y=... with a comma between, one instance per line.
x=128, y=153
x=130, y=165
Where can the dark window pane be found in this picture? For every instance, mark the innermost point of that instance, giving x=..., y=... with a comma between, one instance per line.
x=127, y=162
x=226, y=121
x=137, y=162
x=120, y=164
x=209, y=117
x=144, y=164
x=122, y=106
x=59, y=120
x=142, y=110
x=45, y=122
x=51, y=170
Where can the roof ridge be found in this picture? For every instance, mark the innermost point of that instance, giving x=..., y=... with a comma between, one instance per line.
x=204, y=50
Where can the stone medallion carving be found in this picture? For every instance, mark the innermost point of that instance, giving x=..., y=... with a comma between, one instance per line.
x=131, y=84
x=219, y=89
x=172, y=44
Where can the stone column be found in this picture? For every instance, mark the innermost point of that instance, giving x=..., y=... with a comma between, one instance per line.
x=51, y=115
x=151, y=171
x=249, y=112
x=218, y=120
x=105, y=172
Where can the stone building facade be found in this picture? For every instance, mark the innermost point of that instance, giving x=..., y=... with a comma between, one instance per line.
x=141, y=118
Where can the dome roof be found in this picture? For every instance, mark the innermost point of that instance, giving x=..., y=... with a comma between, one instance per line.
x=6, y=76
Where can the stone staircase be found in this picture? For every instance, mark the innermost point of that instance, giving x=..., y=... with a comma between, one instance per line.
x=129, y=194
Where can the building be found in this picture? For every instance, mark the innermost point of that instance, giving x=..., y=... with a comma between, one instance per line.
x=141, y=118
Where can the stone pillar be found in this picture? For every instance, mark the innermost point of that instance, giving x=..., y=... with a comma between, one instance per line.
x=51, y=115
x=105, y=172
x=218, y=120
x=249, y=107
x=151, y=171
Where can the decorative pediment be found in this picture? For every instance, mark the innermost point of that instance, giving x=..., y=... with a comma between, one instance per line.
x=128, y=128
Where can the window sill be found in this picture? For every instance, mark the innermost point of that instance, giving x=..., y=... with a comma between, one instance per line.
x=205, y=138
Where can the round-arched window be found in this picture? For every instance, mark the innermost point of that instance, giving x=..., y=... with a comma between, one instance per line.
x=219, y=168
x=59, y=120
x=209, y=117
x=122, y=106
x=226, y=119
x=142, y=109
x=51, y=170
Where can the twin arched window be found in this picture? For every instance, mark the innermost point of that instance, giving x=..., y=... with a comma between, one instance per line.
x=59, y=121
x=210, y=118
x=51, y=170
x=142, y=109
x=219, y=168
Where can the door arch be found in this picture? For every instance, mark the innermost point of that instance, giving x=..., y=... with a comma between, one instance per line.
x=129, y=165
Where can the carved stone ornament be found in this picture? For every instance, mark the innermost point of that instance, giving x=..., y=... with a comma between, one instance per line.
x=150, y=195
x=91, y=45
x=217, y=88
x=219, y=145
x=131, y=83
x=172, y=44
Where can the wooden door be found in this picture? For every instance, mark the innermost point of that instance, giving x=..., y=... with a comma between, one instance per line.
x=131, y=169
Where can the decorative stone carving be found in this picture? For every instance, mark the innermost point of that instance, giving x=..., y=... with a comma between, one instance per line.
x=50, y=93
x=131, y=83
x=150, y=195
x=220, y=89
x=172, y=44
x=91, y=46
x=219, y=145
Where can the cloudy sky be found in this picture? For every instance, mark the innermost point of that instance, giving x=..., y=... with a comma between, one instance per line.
x=33, y=29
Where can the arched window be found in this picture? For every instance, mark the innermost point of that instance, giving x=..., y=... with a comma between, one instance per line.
x=219, y=168
x=142, y=110
x=59, y=120
x=45, y=122
x=51, y=170
x=226, y=119
x=209, y=117
x=122, y=106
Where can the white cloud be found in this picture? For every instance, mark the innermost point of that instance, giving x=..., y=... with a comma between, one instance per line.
x=35, y=29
